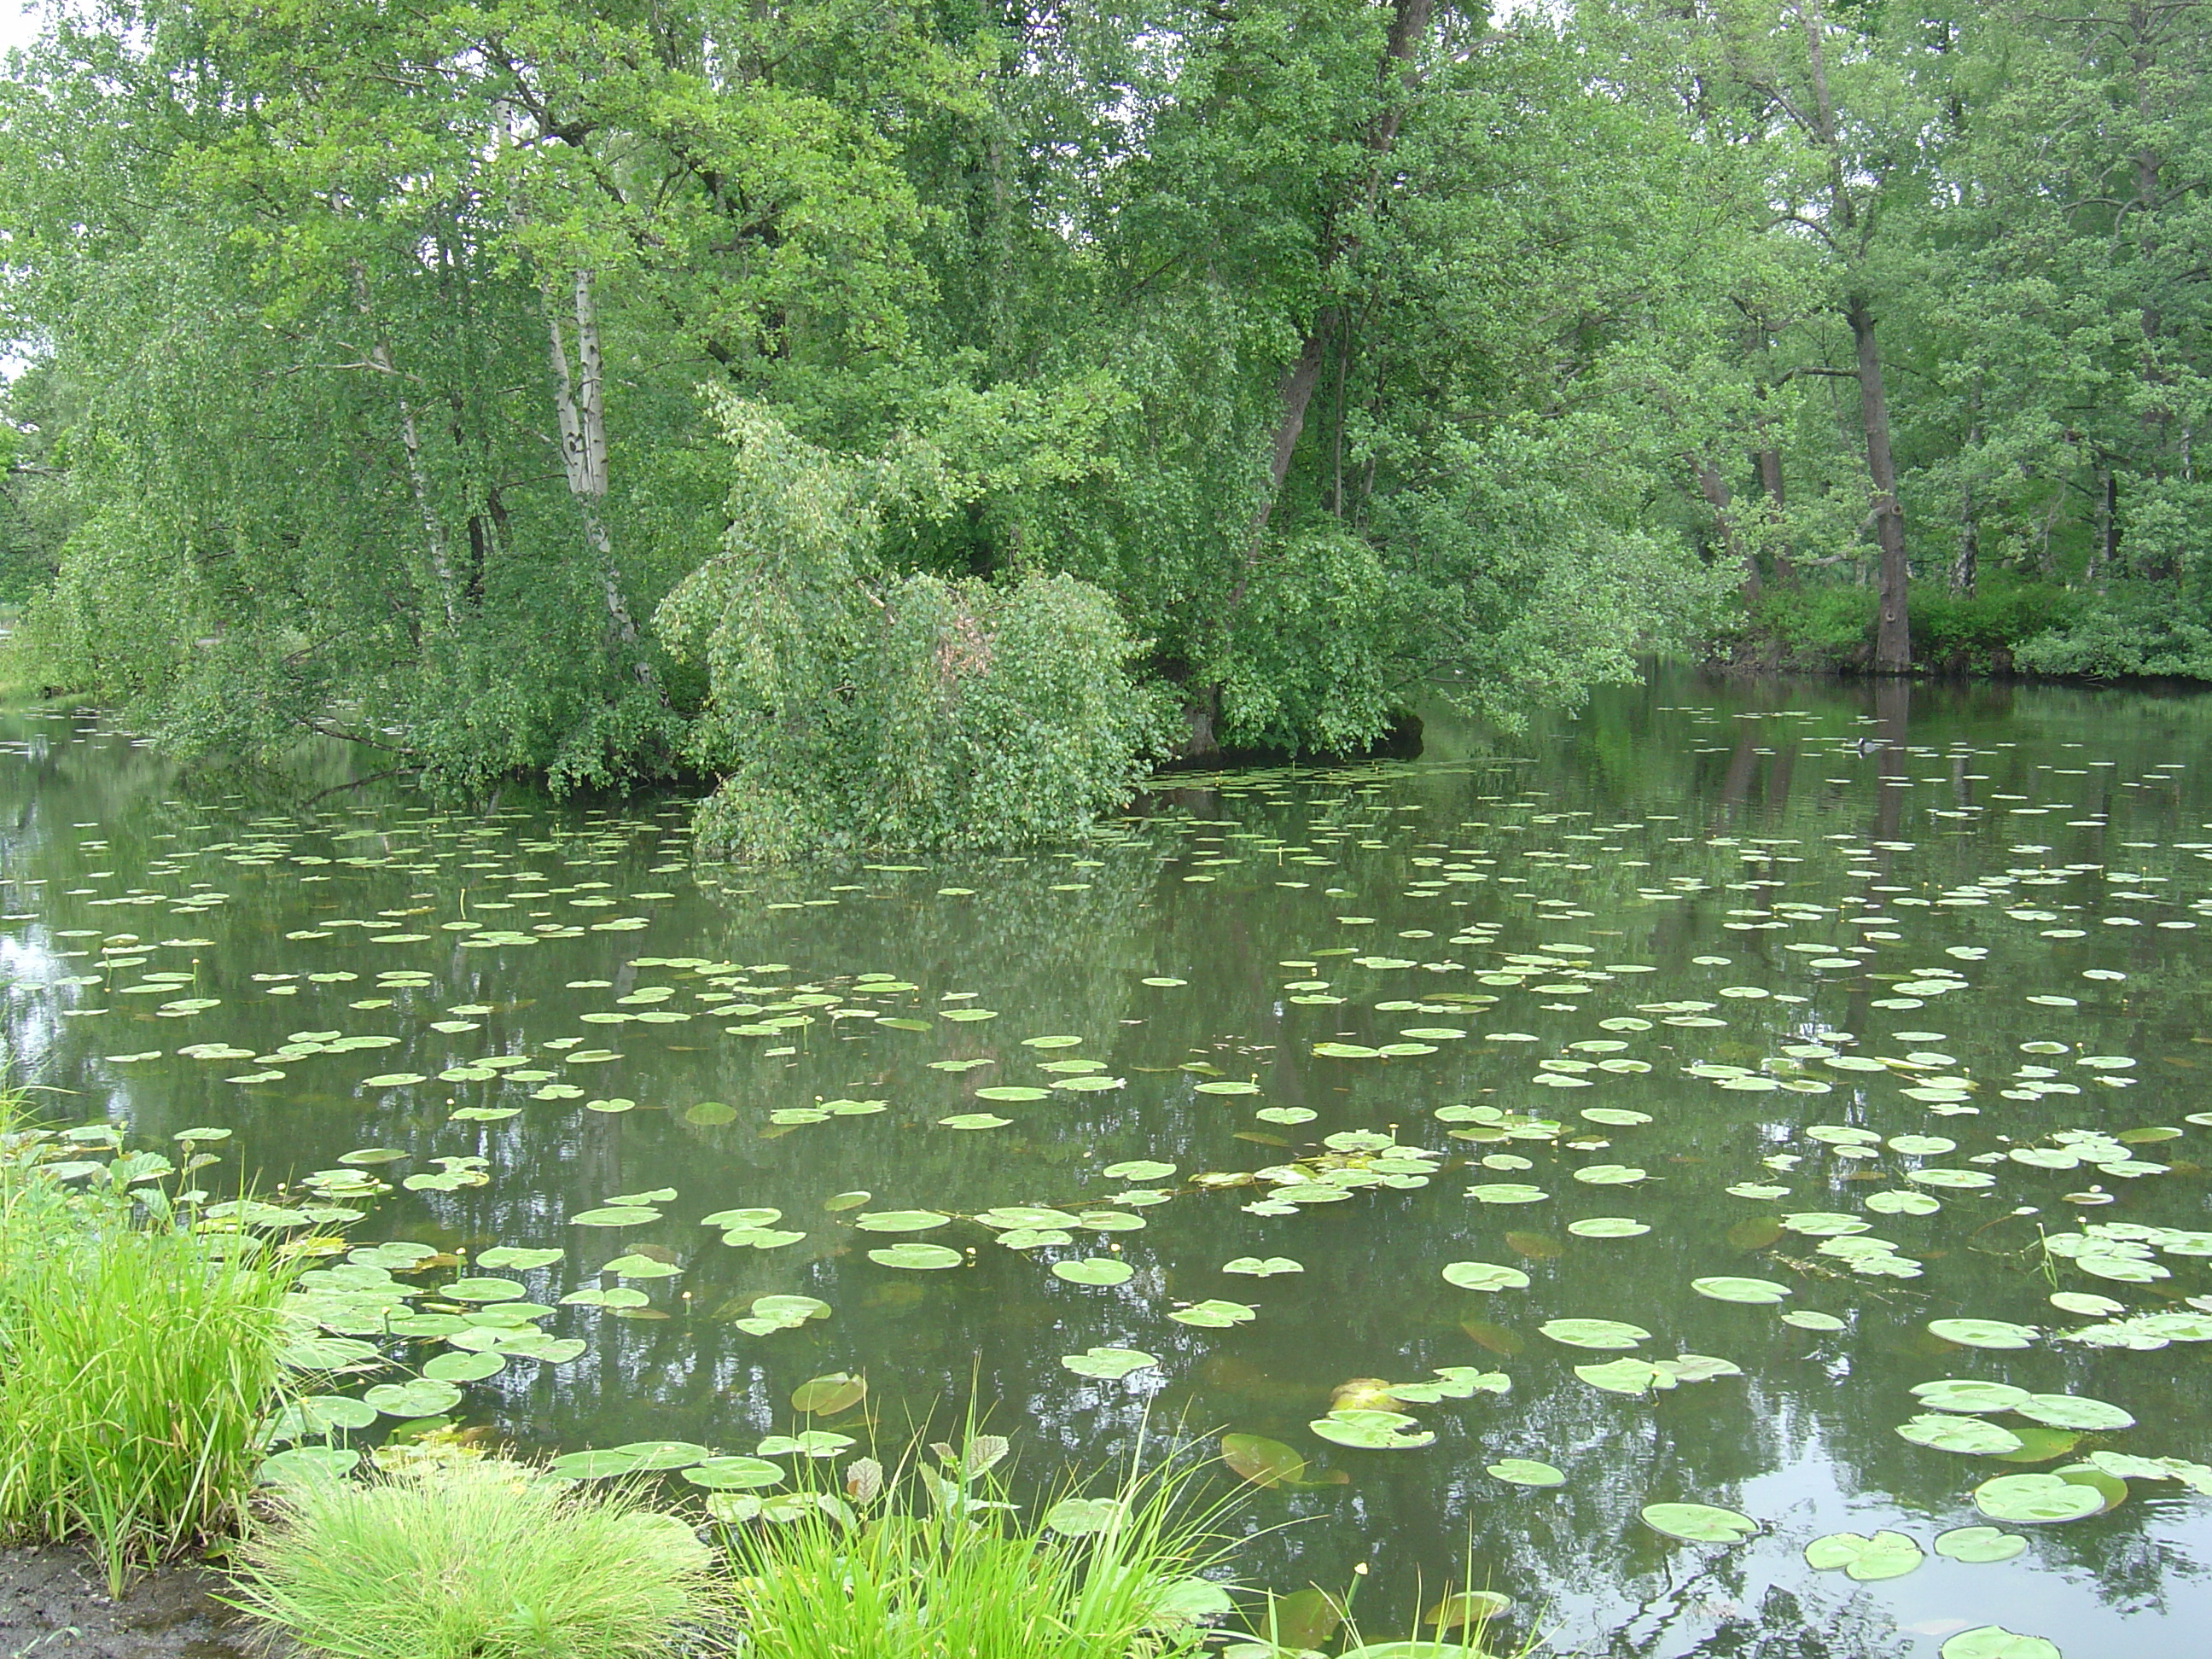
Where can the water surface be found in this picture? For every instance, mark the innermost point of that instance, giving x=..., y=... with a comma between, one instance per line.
x=1743, y=910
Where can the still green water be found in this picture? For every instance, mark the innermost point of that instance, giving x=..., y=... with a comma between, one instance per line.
x=1906, y=965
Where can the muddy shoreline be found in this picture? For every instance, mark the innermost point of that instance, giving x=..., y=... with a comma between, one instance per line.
x=54, y=1604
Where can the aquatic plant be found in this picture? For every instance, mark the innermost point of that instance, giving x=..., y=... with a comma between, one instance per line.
x=930, y=1562
x=137, y=1360
x=468, y=1558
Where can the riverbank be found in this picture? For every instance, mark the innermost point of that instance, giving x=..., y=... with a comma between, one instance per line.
x=54, y=1604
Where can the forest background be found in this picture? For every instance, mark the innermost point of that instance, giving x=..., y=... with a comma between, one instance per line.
x=922, y=415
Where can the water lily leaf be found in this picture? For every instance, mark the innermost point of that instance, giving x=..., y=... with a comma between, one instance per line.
x=304, y=1463
x=1227, y=1086
x=1081, y=1517
x=1885, y=1555
x=1607, y=1227
x=1985, y=1333
x=2068, y=1411
x=814, y=1443
x=2036, y=1498
x=1012, y=1091
x=1139, y=1168
x=840, y=1201
x=901, y=1221
x=1094, y=1270
x=973, y=1121
x=1485, y=1276
x=1108, y=1364
x=1699, y=1523
x=1524, y=1471
x=829, y=1394
x=615, y=1215
x=1610, y=1174
x=1214, y=1314
x=1372, y=1430
x=734, y=1474
x=1262, y=1462
x=1954, y=1394
x=1507, y=1192
x=1979, y=1544
x=481, y=1290
x=1995, y=1642
x=1595, y=1332
x=1725, y=1288
x=1943, y=1432
x=1807, y=1319
x=922, y=1257
x=420, y=1398
x=1632, y=1377
x=463, y=1367
x=1263, y=1267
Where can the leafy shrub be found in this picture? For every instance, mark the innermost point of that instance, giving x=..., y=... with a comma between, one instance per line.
x=2137, y=628
x=477, y=1559
x=137, y=1361
x=852, y=706
x=1833, y=627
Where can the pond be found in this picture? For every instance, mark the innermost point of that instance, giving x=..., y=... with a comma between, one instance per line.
x=1676, y=1105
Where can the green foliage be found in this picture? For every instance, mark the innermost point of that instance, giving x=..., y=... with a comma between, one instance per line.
x=937, y=1566
x=852, y=706
x=476, y=1559
x=1829, y=628
x=137, y=1361
x=2131, y=628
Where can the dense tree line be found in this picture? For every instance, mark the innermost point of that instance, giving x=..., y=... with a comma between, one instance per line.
x=845, y=398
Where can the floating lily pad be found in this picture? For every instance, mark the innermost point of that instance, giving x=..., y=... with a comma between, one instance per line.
x=1372, y=1430
x=1525, y=1472
x=1262, y=1462
x=926, y=1257
x=901, y=1221
x=1884, y=1555
x=1595, y=1332
x=1995, y=1642
x=1979, y=1544
x=1213, y=1313
x=1607, y=1227
x=1263, y=1267
x=2036, y=1498
x=1945, y=1432
x=1108, y=1364
x=1103, y=1270
x=1985, y=1333
x=1485, y=1276
x=1699, y=1523
x=1725, y=1288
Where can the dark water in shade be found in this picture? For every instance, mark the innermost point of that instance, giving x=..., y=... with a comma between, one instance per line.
x=2009, y=840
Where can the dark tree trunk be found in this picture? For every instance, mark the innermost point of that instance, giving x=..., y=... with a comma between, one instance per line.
x=1892, y=640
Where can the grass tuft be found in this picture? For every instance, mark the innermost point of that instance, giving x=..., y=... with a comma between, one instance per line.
x=135, y=1364
x=483, y=1559
x=929, y=1567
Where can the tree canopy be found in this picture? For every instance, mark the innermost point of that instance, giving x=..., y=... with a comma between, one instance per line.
x=608, y=389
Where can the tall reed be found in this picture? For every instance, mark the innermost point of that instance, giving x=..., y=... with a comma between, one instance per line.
x=136, y=1363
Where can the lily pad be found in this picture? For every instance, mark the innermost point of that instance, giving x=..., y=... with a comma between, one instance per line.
x=1699, y=1523
x=1884, y=1555
x=1108, y=1364
x=1215, y=1315
x=1525, y=1472
x=1985, y=1333
x=1995, y=1642
x=1262, y=1462
x=1372, y=1430
x=1607, y=1227
x=2036, y=1498
x=1725, y=1288
x=1945, y=1432
x=1485, y=1276
x=924, y=1257
x=1979, y=1544
x=1595, y=1332
x=1104, y=1270
x=901, y=1221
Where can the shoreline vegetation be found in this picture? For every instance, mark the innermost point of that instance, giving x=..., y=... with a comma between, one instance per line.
x=158, y=1346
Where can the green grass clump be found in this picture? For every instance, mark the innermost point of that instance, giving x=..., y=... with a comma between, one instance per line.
x=951, y=1574
x=137, y=1361
x=477, y=1560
